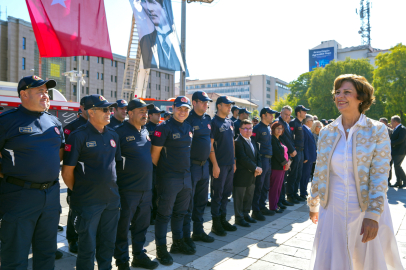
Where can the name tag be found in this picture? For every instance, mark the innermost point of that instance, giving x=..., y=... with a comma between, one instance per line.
x=176, y=136
x=299, y=128
x=91, y=144
x=130, y=138
x=25, y=129
x=196, y=127
x=222, y=129
x=264, y=133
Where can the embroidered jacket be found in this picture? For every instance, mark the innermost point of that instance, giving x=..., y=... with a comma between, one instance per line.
x=371, y=154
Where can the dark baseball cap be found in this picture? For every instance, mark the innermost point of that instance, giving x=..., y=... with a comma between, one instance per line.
x=255, y=118
x=121, y=103
x=155, y=110
x=267, y=110
x=201, y=95
x=225, y=100
x=83, y=100
x=244, y=110
x=97, y=101
x=301, y=108
x=138, y=103
x=34, y=81
x=167, y=114
x=235, y=108
x=182, y=101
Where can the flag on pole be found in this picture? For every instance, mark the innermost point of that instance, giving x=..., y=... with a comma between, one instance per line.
x=65, y=28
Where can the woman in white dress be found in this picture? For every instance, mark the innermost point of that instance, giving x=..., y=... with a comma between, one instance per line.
x=355, y=228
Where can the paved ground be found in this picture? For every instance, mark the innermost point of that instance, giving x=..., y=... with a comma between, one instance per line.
x=283, y=241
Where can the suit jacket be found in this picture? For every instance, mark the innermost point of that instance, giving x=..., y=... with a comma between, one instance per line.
x=287, y=136
x=278, y=155
x=310, y=151
x=398, y=141
x=246, y=163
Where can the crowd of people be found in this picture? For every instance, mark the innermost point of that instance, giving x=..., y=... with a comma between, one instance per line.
x=127, y=171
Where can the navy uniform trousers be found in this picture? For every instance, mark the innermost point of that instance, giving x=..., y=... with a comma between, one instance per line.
x=71, y=234
x=221, y=189
x=96, y=226
x=262, y=183
x=294, y=176
x=173, y=202
x=28, y=216
x=304, y=181
x=135, y=211
x=198, y=202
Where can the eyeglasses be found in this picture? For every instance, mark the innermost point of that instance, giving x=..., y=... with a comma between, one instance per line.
x=105, y=110
x=247, y=129
x=279, y=128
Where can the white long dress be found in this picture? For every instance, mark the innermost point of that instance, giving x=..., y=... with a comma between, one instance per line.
x=338, y=243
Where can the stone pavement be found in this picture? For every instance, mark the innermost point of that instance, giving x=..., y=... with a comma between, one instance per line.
x=283, y=241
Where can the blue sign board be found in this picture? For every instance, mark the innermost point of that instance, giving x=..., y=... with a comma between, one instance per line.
x=320, y=57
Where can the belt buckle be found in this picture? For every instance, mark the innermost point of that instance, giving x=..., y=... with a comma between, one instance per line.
x=202, y=163
x=44, y=186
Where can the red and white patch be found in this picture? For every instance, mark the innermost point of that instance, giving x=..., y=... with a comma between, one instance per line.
x=67, y=131
x=227, y=98
x=148, y=138
x=57, y=131
x=68, y=147
x=292, y=128
x=183, y=100
x=190, y=134
x=102, y=98
x=208, y=125
x=35, y=77
x=123, y=101
x=204, y=94
x=112, y=143
x=254, y=134
x=157, y=134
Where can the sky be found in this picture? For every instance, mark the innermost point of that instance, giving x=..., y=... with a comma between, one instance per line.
x=231, y=38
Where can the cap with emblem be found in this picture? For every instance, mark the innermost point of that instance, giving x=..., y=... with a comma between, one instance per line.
x=155, y=110
x=138, y=103
x=97, y=101
x=255, y=118
x=121, y=103
x=244, y=110
x=201, y=95
x=267, y=110
x=182, y=101
x=301, y=108
x=225, y=100
x=235, y=108
x=34, y=81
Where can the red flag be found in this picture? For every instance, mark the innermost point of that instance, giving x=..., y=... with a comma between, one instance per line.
x=66, y=28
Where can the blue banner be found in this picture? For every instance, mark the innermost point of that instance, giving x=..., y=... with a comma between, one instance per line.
x=320, y=57
x=160, y=46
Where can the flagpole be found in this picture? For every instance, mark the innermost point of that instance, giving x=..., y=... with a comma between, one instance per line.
x=182, y=90
x=79, y=74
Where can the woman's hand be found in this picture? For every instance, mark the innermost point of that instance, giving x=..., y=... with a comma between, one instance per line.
x=314, y=217
x=369, y=229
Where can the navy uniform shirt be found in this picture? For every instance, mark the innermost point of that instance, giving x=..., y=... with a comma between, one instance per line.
x=134, y=171
x=29, y=144
x=261, y=134
x=73, y=126
x=201, y=142
x=297, y=130
x=151, y=128
x=176, y=139
x=94, y=156
x=233, y=118
x=237, y=124
x=222, y=131
x=114, y=123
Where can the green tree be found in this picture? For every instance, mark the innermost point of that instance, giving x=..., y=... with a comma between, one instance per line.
x=390, y=81
x=322, y=82
x=298, y=90
x=255, y=113
x=283, y=101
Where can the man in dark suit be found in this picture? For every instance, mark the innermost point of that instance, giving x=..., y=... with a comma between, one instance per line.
x=398, y=143
x=248, y=162
x=390, y=132
x=310, y=155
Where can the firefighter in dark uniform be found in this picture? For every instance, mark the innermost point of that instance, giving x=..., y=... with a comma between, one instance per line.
x=134, y=180
x=261, y=135
x=89, y=170
x=71, y=234
x=154, y=116
x=222, y=157
x=171, y=153
x=119, y=115
x=234, y=111
x=31, y=145
x=293, y=179
x=199, y=167
x=242, y=114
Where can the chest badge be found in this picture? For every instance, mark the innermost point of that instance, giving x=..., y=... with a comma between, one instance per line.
x=196, y=127
x=129, y=139
x=208, y=125
x=91, y=144
x=176, y=136
x=57, y=131
x=190, y=134
x=112, y=143
x=25, y=129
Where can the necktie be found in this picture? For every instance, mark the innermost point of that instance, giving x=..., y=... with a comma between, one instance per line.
x=165, y=45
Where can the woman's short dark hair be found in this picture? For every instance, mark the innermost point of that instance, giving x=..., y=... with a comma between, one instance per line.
x=275, y=125
x=365, y=90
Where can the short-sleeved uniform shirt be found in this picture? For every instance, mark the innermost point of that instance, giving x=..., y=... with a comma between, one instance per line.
x=222, y=131
x=151, y=128
x=94, y=156
x=297, y=130
x=114, y=123
x=29, y=144
x=72, y=126
x=134, y=171
x=176, y=140
x=201, y=142
x=261, y=134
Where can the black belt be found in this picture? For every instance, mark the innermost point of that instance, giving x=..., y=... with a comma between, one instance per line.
x=198, y=162
x=21, y=183
x=266, y=156
x=299, y=148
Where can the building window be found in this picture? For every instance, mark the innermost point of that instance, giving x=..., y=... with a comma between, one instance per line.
x=87, y=58
x=156, y=87
x=227, y=84
x=101, y=92
x=220, y=84
x=97, y=75
x=97, y=90
x=87, y=73
x=128, y=81
x=115, y=78
x=24, y=43
x=246, y=82
x=268, y=103
x=98, y=60
x=111, y=78
x=23, y=63
x=159, y=87
x=233, y=83
x=74, y=68
x=83, y=90
x=74, y=90
x=203, y=86
x=102, y=61
x=268, y=95
x=268, y=89
x=83, y=57
x=102, y=77
x=74, y=58
x=111, y=62
x=87, y=90
x=268, y=82
x=214, y=84
x=111, y=94
x=240, y=83
x=149, y=85
x=115, y=64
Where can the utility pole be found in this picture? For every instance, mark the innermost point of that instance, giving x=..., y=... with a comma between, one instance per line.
x=182, y=84
x=79, y=78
